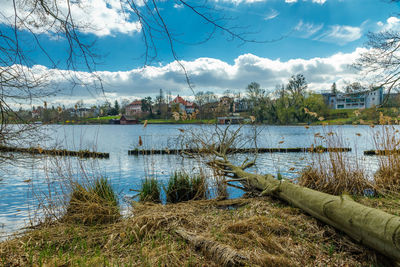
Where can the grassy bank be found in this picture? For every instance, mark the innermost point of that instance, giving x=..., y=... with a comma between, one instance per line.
x=358, y=116
x=172, y=121
x=105, y=120
x=260, y=231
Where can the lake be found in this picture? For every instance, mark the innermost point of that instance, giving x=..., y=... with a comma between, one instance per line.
x=21, y=185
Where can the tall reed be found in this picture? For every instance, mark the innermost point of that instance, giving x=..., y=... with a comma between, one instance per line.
x=386, y=139
x=334, y=172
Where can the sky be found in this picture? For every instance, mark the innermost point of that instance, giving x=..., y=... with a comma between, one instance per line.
x=317, y=38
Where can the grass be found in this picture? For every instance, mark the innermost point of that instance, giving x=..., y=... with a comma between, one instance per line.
x=267, y=232
x=358, y=116
x=183, y=187
x=92, y=204
x=105, y=118
x=172, y=121
x=150, y=191
x=334, y=172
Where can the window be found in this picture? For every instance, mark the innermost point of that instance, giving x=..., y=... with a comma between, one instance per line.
x=373, y=98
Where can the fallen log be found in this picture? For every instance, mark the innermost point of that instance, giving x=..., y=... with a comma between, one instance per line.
x=372, y=227
x=223, y=254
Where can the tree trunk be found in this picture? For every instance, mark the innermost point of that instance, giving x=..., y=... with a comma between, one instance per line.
x=371, y=227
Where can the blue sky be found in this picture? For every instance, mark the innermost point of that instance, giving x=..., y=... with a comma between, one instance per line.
x=318, y=38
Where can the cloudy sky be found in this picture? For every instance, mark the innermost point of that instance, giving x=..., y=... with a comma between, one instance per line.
x=318, y=38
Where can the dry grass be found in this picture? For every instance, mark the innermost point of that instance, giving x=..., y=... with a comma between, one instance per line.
x=92, y=204
x=258, y=232
x=334, y=172
x=387, y=139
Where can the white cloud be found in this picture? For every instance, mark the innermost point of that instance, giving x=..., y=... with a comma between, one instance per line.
x=321, y=2
x=215, y=75
x=237, y=2
x=178, y=6
x=99, y=17
x=392, y=24
x=273, y=14
x=340, y=34
x=307, y=29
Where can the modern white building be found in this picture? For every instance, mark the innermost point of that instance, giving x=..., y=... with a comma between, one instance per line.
x=355, y=100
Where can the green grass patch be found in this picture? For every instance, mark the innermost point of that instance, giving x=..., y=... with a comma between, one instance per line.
x=183, y=187
x=150, y=191
x=172, y=121
x=107, y=118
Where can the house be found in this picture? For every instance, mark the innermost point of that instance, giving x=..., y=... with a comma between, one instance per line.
x=226, y=104
x=36, y=113
x=188, y=107
x=125, y=120
x=241, y=105
x=134, y=108
x=354, y=100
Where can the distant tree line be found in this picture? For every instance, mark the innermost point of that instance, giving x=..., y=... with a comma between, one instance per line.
x=288, y=104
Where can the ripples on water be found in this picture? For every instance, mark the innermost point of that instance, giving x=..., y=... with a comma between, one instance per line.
x=126, y=172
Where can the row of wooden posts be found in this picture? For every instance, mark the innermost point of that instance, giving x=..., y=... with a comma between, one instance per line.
x=93, y=154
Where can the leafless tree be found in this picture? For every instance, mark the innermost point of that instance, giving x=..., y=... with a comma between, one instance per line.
x=382, y=60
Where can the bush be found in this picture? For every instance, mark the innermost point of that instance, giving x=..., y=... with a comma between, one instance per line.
x=150, y=191
x=182, y=187
x=95, y=203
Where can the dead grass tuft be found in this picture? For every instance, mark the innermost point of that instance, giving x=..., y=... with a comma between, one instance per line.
x=95, y=203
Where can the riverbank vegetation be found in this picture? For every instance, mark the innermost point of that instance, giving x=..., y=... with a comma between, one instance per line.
x=252, y=232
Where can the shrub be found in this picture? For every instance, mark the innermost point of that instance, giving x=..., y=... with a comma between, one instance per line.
x=95, y=203
x=182, y=187
x=150, y=191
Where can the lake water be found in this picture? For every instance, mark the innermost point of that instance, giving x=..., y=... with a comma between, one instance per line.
x=21, y=185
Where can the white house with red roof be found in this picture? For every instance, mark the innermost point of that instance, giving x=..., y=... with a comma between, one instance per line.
x=187, y=106
x=134, y=108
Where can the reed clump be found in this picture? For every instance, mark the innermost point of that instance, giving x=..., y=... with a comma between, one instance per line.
x=387, y=140
x=184, y=187
x=334, y=172
x=94, y=203
x=150, y=191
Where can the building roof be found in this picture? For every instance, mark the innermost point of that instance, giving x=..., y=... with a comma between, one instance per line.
x=135, y=103
x=182, y=101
